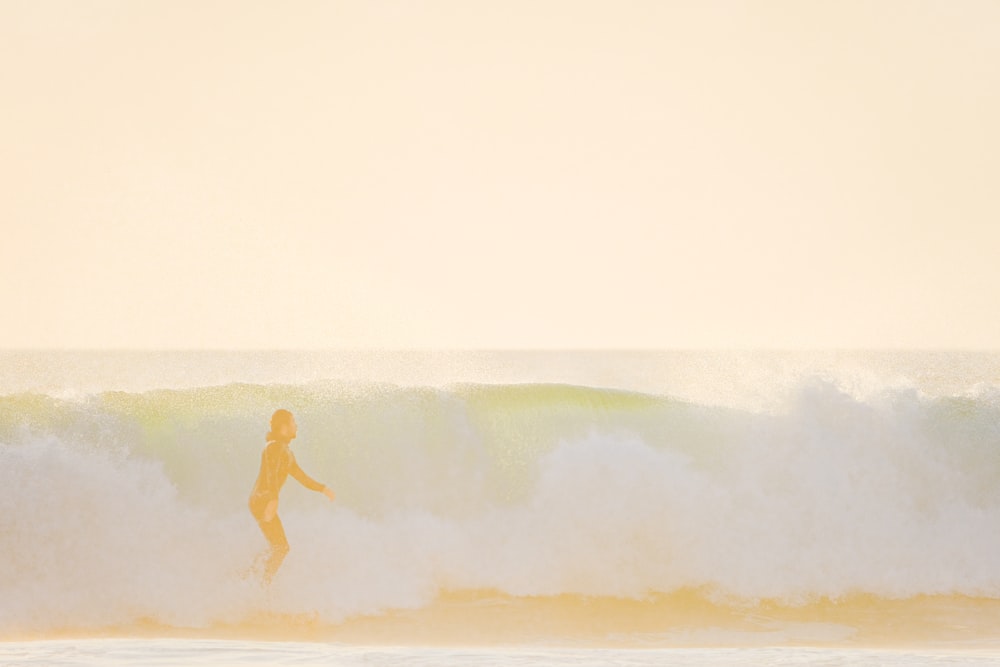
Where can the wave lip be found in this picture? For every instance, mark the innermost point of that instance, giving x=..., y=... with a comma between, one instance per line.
x=127, y=508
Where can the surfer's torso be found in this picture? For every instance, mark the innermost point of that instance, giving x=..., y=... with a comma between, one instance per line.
x=277, y=462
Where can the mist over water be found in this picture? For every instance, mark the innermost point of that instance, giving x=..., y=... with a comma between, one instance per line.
x=119, y=506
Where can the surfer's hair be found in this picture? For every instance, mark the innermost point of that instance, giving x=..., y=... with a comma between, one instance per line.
x=278, y=419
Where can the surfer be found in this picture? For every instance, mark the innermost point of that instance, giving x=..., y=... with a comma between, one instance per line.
x=276, y=463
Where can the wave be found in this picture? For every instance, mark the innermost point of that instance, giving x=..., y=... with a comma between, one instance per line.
x=119, y=507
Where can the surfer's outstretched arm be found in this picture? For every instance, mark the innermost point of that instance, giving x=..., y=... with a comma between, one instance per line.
x=305, y=480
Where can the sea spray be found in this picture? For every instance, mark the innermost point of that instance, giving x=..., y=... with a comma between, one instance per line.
x=120, y=507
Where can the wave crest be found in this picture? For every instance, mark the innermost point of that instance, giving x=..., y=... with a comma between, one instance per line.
x=129, y=506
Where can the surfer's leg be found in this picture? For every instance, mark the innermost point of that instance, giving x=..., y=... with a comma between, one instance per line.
x=275, y=534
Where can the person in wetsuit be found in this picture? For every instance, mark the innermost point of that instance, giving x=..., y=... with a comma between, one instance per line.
x=276, y=463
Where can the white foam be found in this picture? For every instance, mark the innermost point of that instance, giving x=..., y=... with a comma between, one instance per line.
x=897, y=495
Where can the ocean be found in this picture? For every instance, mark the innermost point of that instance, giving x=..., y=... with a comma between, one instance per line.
x=504, y=507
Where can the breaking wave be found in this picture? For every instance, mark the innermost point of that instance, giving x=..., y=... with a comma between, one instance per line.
x=121, y=507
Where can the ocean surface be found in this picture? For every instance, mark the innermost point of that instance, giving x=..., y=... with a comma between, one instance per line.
x=578, y=507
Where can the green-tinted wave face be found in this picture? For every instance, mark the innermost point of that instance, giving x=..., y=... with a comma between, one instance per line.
x=385, y=447
x=125, y=505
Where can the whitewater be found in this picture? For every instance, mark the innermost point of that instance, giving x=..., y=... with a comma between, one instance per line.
x=599, y=499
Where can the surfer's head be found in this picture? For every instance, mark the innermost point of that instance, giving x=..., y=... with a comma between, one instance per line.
x=282, y=426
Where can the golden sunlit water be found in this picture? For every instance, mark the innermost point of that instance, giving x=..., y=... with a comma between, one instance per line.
x=602, y=509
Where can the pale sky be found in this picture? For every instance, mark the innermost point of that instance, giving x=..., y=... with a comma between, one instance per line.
x=471, y=174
